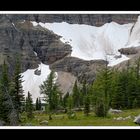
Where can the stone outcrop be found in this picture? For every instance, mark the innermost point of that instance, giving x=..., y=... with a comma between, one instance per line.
x=128, y=51
x=24, y=39
x=90, y=19
x=79, y=68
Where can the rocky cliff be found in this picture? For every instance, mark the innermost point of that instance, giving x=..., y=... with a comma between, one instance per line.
x=90, y=19
x=27, y=41
x=35, y=44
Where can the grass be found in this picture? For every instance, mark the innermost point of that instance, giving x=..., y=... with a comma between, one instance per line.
x=82, y=120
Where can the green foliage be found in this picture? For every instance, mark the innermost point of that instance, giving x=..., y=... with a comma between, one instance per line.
x=86, y=105
x=37, y=104
x=16, y=89
x=70, y=103
x=51, y=92
x=76, y=95
x=4, y=91
x=135, y=103
x=29, y=106
x=101, y=108
x=102, y=90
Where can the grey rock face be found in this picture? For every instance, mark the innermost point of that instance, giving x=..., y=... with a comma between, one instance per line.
x=90, y=19
x=128, y=51
x=37, y=72
x=79, y=68
x=23, y=39
x=19, y=36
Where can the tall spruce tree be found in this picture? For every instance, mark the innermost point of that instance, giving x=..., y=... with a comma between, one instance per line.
x=86, y=105
x=64, y=101
x=37, y=104
x=76, y=95
x=51, y=93
x=17, y=89
x=4, y=90
x=29, y=106
x=102, y=87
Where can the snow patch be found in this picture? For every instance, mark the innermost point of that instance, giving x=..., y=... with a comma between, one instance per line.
x=90, y=42
x=32, y=82
x=34, y=23
x=114, y=61
x=134, y=40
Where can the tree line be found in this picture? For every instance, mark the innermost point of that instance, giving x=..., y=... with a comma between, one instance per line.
x=112, y=88
x=12, y=99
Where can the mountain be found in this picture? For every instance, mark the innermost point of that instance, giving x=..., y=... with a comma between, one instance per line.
x=74, y=46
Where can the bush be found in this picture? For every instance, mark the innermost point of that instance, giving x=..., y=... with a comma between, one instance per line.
x=71, y=115
x=101, y=109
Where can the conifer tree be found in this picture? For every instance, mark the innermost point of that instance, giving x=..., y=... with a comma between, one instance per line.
x=51, y=93
x=86, y=105
x=37, y=104
x=5, y=98
x=65, y=100
x=76, y=95
x=16, y=88
x=101, y=89
x=29, y=106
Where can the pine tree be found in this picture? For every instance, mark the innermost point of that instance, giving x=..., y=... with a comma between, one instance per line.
x=4, y=90
x=102, y=88
x=70, y=105
x=119, y=86
x=51, y=93
x=83, y=92
x=37, y=104
x=135, y=103
x=17, y=89
x=76, y=95
x=64, y=101
x=86, y=105
x=29, y=106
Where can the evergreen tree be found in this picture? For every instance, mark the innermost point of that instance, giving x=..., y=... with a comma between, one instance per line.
x=29, y=106
x=17, y=89
x=4, y=92
x=135, y=103
x=64, y=101
x=86, y=105
x=70, y=106
x=37, y=104
x=76, y=96
x=51, y=93
x=100, y=109
x=102, y=89
x=83, y=92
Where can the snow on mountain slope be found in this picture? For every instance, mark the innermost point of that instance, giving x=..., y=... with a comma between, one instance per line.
x=32, y=82
x=90, y=42
x=134, y=40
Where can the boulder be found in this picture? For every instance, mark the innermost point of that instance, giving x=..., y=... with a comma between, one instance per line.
x=2, y=123
x=137, y=120
x=28, y=124
x=128, y=51
x=115, y=111
x=119, y=118
x=37, y=72
x=45, y=122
